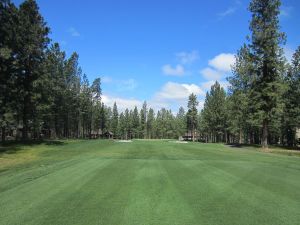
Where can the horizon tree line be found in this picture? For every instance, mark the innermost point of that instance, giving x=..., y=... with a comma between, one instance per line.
x=45, y=94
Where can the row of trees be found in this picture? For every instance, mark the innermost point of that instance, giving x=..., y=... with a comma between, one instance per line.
x=144, y=123
x=263, y=101
x=41, y=90
x=262, y=104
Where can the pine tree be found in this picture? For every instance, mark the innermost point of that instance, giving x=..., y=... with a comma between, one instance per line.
x=150, y=123
x=53, y=95
x=292, y=100
x=96, y=89
x=214, y=113
x=135, y=122
x=143, y=122
x=181, y=122
x=115, y=120
x=103, y=119
x=122, y=126
x=8, y=65
x=238, y=101
x=33, y=36
x=192, y=114
x=95, y=104
x=128, y=125
x=268, y=61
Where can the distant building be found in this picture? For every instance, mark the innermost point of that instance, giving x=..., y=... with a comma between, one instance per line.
x=189, y=137
x=108, y=135
x=298, y=135
x=95, y=134
x=99, y=134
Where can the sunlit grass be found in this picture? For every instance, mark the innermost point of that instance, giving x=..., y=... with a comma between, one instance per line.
x=147, y=182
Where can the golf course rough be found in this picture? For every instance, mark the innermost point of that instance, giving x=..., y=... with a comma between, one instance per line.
x=147, y=182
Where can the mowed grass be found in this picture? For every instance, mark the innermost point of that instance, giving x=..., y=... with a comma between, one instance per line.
x=147, y=182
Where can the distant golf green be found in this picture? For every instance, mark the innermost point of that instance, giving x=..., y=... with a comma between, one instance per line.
x=147, y=182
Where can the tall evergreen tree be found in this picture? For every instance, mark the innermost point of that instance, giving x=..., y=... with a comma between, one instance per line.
x=53, y=95
x=135, y=122
x=181, y=122
x=268, y=60
x=192, y=114
x=8, y=64
x=72, y=96
x=238, y=101
x=143, y=122
x=103, y=119
x=214, y=113
x=33, y=36
x=95, y=104
x=150, y=123
x=292, y=100
x=128, y=125
x=115, y=120
x=122, y=126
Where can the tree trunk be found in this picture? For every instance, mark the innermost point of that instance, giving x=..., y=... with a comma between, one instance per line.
x=264, y=140
x=193, y=133
x=25, y=125
x=241, y=137
x=227, y=137
x=3, y=134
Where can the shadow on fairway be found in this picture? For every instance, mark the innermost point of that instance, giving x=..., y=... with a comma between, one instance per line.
x=11, y=147
x=274, y=147
x=56, y=143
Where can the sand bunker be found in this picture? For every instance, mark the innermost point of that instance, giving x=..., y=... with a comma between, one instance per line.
x=124, y=141
x=180, y=142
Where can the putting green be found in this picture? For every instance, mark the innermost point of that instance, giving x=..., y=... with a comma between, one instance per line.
x=147, y=182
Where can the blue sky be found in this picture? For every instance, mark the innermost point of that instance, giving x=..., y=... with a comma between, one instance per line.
x=157, y=50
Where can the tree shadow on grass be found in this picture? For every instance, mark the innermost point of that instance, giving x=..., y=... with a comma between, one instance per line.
x=54, y=142
x=275, y=147
x=11, y=147
x=243, y=146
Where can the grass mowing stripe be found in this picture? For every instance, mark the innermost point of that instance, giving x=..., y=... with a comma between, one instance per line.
x=32, y=197
x=229, y=190
x=145, y=182
x=154, y=199
x=99, y=200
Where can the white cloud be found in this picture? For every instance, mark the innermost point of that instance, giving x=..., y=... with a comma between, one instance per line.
x=170, y=96
x=177, y=91
x=288, y=52
x=286, y=11
x=173, y=95
x=122, y=103
x=238, y=2
x=127, y=85
x=201, y=105
x=106, y=79
x=223, y=62
x=187, y=57
x=73, y=32
x=121, y=85
x=63, y=43
x=230, y=10
x=207, y=85
x=211, y=74
x=176, y=71
x=227, y=12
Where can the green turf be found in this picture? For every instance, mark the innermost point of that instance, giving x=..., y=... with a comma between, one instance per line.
x=147, y=182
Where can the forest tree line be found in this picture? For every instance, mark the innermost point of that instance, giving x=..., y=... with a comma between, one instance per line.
x=262, y=105
x=44, y=93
